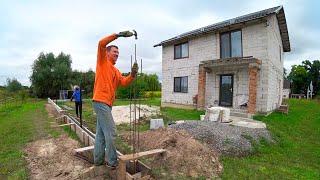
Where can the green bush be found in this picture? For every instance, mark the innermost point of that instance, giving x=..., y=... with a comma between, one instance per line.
x=152, y=94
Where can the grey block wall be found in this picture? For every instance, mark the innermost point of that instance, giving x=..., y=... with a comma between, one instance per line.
x=262, y=41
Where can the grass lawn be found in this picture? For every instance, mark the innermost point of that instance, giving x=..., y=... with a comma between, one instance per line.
x=296, y=155
x=17, y=127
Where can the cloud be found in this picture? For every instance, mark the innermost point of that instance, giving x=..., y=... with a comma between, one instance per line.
x=30, y=27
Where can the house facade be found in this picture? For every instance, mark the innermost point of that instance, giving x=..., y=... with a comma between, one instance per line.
x=237, y=63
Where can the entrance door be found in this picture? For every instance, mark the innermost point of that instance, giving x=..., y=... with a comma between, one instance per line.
x=226, y=90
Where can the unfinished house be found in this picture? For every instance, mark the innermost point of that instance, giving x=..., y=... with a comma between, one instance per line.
x=237, y=63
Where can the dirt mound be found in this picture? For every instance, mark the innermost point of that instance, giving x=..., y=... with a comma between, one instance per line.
x=53, y=158
x=185, y=155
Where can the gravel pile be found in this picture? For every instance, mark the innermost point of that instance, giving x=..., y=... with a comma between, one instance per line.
x=226, y=139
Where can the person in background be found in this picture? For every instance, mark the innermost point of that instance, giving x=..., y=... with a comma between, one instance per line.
x=77, y=100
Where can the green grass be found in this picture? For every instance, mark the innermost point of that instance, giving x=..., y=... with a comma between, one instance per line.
x=180, y=114
x=296, y=153
x=17, y=127
x=150, y=102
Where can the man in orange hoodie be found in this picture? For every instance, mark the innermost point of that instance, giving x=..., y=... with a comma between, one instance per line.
x=107, y=80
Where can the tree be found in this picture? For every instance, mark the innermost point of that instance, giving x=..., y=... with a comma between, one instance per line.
x=13, y=85
x=85, y=80
x=50, y=74
x=298, y=76
x=313, y=70
x=144, y=82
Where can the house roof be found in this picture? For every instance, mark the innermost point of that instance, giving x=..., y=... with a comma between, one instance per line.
x=278, y=11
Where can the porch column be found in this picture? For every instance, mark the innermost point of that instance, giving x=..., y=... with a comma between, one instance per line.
x=201, y=87
x=253, y=71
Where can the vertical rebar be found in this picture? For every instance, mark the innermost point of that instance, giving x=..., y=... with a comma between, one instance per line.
x=139, y=105
x=130, y=97
x=135, y=103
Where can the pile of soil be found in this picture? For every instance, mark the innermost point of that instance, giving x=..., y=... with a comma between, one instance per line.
x=52, y=158
x=184, y=156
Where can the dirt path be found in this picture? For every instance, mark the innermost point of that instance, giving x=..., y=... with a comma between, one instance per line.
x=52, y=158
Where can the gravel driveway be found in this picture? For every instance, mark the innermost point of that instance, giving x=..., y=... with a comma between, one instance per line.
x=226, y=139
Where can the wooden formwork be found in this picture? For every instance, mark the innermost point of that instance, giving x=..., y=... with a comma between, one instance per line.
x=126, y=162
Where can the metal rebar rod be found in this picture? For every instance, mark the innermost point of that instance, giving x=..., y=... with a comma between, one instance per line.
x=130, y=97
x=139, y=105
x=135, y=103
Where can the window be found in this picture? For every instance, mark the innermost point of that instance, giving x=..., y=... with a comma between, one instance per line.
x=181, y=84
x=280, y=53
x=181, y=50
x=231, y=44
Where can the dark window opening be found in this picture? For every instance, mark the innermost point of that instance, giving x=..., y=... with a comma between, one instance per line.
x=231, y=44
x=181, y=84
x=181, y=50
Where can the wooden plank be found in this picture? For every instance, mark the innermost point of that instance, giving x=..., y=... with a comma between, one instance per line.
x=141, y=154
x=88, y=148
x=68, y=124
x=85, y=153
x=146, y=177
x=134, y=176
x=121, y=171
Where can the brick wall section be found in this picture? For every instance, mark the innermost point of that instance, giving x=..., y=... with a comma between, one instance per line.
x=201, y=87
x=253, y=71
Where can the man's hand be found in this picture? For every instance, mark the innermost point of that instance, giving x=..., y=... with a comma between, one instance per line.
x=134, y=70
x=125, y=34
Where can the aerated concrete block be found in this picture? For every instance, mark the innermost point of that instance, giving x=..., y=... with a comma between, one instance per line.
x=156, y=123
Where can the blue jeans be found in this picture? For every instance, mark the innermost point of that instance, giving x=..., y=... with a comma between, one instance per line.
x=105, y=135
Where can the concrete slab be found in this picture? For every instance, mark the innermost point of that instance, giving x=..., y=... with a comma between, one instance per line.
x=246, y=122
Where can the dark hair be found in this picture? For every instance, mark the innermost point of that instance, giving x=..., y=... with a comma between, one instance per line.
x=109, y=47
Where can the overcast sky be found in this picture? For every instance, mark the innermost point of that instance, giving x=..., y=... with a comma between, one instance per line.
x=28, y=27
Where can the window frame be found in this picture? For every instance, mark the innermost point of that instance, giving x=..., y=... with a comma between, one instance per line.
x=230, y=43
x=174, y=83
x=280, y=53
x=174, y=50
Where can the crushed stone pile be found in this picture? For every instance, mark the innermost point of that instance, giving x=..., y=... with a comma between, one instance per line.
x=225, y=138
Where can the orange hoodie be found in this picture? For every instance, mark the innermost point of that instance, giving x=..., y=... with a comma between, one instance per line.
x=108, y=77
